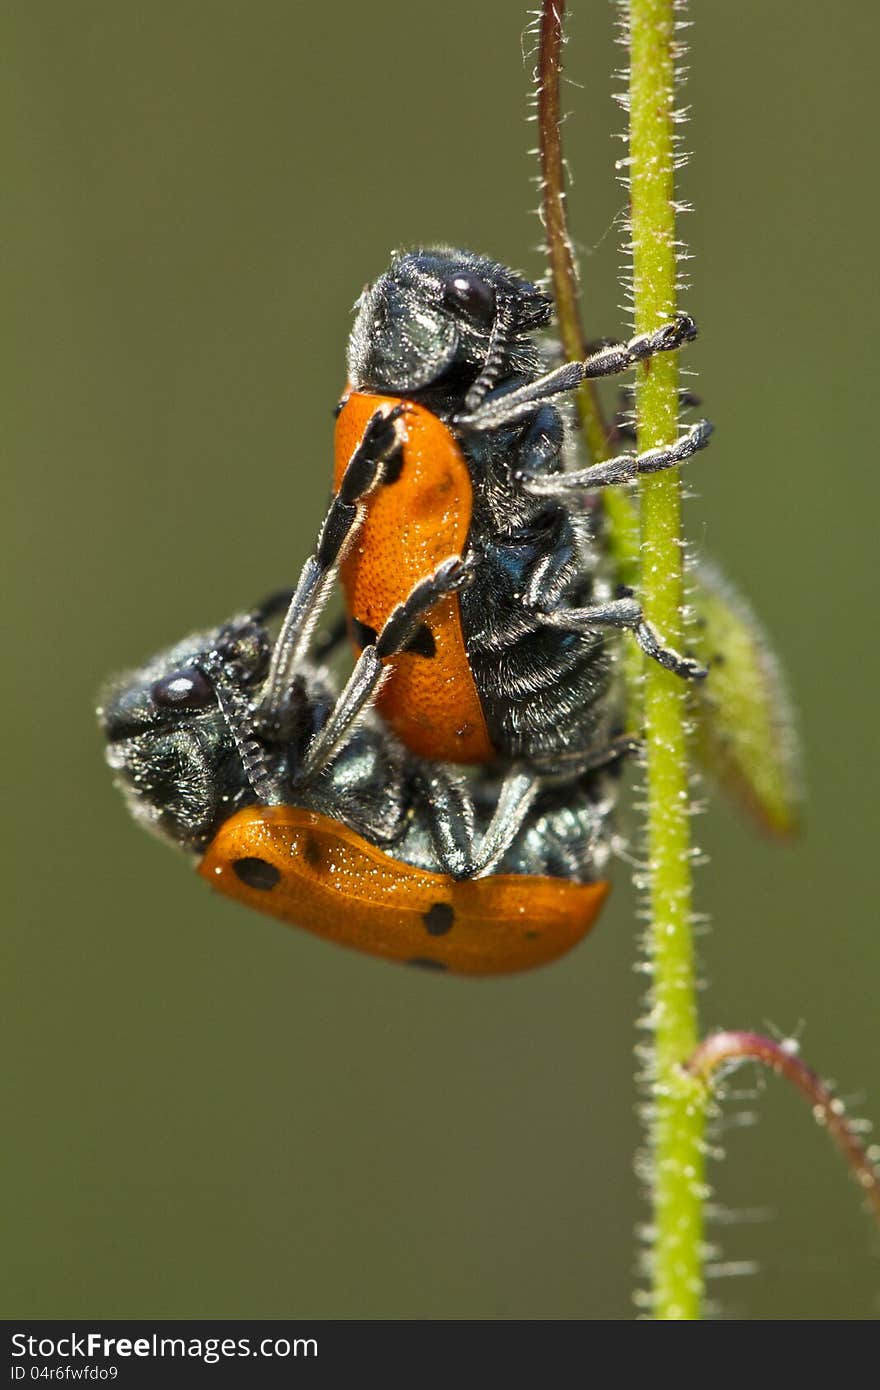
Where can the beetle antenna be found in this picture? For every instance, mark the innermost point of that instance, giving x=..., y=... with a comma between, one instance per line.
x=498, y=342
x=236, y=710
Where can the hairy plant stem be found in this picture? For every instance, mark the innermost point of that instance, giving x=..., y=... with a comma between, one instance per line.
x=677, y=1105
x=681, y=1083
x=724, y=1050
x=623, y=527
x=623, y=530
x=675, y=1179
x=563, y=271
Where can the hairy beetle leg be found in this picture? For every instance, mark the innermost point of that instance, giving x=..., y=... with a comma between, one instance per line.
x=364, y=471
x=625, y=468
x=370, y=670
x=626, y=613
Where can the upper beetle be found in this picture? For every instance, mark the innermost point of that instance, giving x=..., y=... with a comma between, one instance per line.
x=449, y=446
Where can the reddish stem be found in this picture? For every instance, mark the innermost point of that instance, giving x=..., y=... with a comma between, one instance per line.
x=559, y=248
x=723, y=1048
x=598, y=436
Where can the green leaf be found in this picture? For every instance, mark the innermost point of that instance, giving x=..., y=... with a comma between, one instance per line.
x=744, y=731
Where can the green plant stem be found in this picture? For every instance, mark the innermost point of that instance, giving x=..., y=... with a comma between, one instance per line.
x=677, y=1103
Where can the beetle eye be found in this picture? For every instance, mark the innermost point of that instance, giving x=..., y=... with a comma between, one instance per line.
x=475, y=296
x=185, y=689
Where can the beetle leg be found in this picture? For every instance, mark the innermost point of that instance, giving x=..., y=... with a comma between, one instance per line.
x=400, y=633
x=624, y=468
x=506, y=407
x=461, y=851
x=380, y=441
x=465, y=855
x=451, y=819
x=518, y=792
x=626, y=613
x=570, y=764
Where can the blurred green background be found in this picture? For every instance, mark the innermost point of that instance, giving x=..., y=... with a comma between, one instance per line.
x=207, y=1114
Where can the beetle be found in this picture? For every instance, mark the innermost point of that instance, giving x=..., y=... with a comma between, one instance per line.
x=448, y=444
x=355, y=838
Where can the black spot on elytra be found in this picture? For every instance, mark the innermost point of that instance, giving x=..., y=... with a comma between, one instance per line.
x=438, y=919
x=425, y=964
x=422, y=642
x=312, y=852
x=363, y=634
x=256, y=873
x=533, y=935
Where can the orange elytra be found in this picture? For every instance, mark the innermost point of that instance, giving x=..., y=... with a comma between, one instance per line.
x=412, y=524
x=312, y=872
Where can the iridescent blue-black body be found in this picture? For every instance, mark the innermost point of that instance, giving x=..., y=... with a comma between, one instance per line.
x=455, y=333
x=173, y=746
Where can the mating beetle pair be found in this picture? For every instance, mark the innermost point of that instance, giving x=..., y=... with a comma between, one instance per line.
x=478, y=602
